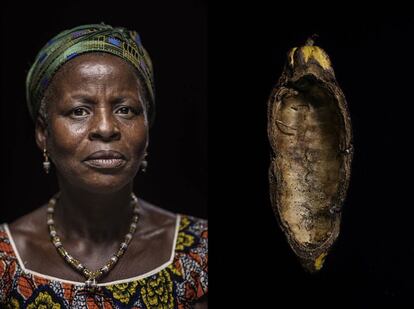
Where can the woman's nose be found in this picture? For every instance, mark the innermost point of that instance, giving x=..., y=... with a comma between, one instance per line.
x=104, y=126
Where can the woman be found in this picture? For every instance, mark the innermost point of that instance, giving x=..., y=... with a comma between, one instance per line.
x=94, y=244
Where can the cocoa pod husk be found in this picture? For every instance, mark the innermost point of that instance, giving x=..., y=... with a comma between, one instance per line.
x=310, y=134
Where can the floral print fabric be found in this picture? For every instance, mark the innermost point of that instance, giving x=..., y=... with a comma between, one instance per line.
x=177, y=285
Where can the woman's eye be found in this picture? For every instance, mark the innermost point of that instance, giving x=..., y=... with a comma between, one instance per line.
x=80, y=112
x=126, y=111
x=123, y=110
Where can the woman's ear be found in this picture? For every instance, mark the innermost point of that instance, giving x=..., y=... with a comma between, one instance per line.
x=41, y=133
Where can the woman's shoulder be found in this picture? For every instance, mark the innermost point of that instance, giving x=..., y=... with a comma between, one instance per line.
x=184, y=222
x=8, y=263
x=6, y=248
x=30, y=223
x=186, y=275
x=190, y=225
x=192, y=236
x=191, y=260
x=190, y=232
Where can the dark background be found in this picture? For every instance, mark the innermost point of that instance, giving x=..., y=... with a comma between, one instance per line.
x=252, y=265
x=371, y=264
x=175, y=37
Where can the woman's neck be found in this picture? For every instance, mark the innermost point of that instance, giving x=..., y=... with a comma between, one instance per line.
x=91, y=216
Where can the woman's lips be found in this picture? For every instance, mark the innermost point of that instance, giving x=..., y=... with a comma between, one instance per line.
x=106, y=163
x=106, y=160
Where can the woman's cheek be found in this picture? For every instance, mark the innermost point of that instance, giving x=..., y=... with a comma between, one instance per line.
x=65, y=140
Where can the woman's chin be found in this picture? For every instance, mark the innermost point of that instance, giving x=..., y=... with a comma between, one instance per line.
x=98, y=180
x=104, y=188
x=102, y=184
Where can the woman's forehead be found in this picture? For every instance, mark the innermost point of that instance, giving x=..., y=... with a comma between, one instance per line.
x=97, y=64
x=96, y=68
x=92, y=75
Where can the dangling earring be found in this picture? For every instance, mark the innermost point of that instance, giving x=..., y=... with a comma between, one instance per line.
x=144, y=164
x=46, y=163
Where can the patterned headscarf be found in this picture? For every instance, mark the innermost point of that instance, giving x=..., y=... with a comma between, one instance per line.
x=68, y=44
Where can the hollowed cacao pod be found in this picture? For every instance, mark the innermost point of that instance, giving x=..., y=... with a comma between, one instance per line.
x=309, y=130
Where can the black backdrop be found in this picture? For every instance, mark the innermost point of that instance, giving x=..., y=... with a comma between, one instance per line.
x=176, y=38
x=371, y=263
x=252, y=265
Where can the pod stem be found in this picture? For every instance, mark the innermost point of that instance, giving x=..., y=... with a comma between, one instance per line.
x=311, y=40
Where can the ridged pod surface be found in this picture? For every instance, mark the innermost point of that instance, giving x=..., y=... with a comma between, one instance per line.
x=309, y=130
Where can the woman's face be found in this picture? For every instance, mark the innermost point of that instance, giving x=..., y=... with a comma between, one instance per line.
x=97, y=127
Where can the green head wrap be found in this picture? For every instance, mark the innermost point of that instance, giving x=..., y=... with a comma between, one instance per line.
x=68, y=44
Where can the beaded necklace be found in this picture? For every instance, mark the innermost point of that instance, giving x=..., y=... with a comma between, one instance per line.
x=90, y=275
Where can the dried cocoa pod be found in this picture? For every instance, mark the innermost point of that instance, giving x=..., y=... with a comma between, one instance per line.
x=309, y=129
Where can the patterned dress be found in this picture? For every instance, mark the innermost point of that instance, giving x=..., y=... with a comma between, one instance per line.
x=176, y=284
